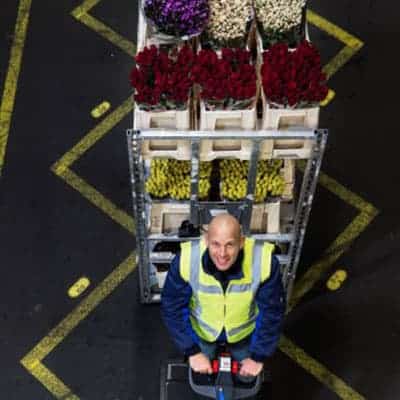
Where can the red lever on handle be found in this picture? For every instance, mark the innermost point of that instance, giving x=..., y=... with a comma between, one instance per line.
x=215, y=366
x=235, y=367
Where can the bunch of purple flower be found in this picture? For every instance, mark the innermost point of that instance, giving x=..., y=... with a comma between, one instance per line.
x=178, y=18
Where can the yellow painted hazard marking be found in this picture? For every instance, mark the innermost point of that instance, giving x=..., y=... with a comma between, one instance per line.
x=101, y=109
x=318, y=370
x=50, y=381
x=352, y=44
x=62, y=167
x=367, y=213
x=78, y=287
x=11, y=82
x=81, y=14
x=98, y=200
x=336, y=280
x=33, y=360
x=329, y=97
x=93, y=136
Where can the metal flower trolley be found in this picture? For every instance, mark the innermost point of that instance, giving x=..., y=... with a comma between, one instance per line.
x=293, y=215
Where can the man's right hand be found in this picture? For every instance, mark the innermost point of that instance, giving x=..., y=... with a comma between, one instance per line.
x=200, y=363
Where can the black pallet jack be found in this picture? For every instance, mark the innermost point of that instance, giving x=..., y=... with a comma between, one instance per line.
x=223, y=384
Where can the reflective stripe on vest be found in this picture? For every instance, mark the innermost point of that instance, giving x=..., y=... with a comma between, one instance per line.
x=210, y=309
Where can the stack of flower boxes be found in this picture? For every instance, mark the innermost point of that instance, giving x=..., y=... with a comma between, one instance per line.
x=227, y=86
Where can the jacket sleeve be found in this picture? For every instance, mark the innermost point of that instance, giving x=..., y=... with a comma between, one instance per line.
x=175, y=299
x=270, y=299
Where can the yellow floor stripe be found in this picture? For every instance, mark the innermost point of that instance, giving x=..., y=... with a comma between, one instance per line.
x=51, y=382
x=318, y=370
x=32, y=361
x=84, y=8
x=339, y=190
x=330, y=96
x=339, y=60
x=11, y=82
x=109, y=34
x=93, y=136
x=352, y=44
x=367, y=213
x=98, y=200
x=335, y=250
x=345, y=194
x=333, y=30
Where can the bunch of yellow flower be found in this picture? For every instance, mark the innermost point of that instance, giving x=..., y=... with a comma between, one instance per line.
x=234, y=180
x=171, y=178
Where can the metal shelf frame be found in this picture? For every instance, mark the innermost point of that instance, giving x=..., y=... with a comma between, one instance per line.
x=202, y=211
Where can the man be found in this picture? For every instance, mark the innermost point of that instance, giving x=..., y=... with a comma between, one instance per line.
x=224, y=288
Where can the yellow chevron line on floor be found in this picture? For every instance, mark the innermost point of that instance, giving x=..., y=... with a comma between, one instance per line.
x=33, y=360
x=105, y=31
x=319, y=371
x=93, y=136
x=367, y=213
x=352, y=44
x=62, y=167
x=98, y=200
x=333, y=30
x=84, y=8
x=11, y=82
x=50, y=381
x=81, y=14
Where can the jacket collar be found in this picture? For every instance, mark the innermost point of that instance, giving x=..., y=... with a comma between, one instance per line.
x=234, y=272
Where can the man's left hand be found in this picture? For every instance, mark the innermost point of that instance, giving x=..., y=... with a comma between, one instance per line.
x=250, y=367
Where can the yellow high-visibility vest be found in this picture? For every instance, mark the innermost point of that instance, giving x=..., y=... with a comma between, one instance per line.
x=211, y=309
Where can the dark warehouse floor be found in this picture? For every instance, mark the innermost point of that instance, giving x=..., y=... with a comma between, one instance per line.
x=65, y=212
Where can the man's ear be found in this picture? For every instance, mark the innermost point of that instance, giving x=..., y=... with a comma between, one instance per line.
x=242, y=239
x=205, y=237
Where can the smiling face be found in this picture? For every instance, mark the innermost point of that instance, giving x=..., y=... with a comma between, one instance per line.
x=224, y=241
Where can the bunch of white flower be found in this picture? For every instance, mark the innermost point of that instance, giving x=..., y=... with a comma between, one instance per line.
x=228, y=19
x=279, y=15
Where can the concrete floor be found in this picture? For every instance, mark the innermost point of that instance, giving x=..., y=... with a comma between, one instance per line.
x=341, y=344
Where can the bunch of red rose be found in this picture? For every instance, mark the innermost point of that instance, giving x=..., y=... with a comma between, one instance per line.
x=293, y=78
x=162, y=80
x=226, y=82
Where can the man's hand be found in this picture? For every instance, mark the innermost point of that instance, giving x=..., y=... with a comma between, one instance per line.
x=250, y=367
x=200, y=363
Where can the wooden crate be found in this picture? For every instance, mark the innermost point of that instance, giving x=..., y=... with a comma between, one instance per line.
x=282, y=119
x=167, y=217
x=288, y=170
x=229, y=120
x=265, y=218
x=288, y=173
x=180, y=120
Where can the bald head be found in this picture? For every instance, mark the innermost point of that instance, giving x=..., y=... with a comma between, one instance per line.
x=224, y=240
x=226, y=223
